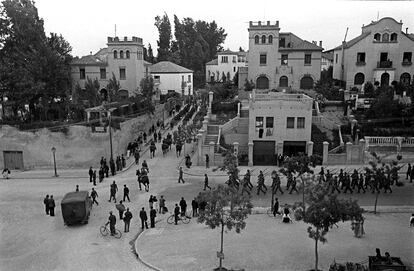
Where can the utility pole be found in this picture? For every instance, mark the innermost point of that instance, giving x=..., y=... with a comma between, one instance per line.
x=343, y=56
x=110, y=133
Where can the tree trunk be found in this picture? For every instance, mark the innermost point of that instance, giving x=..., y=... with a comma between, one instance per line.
x=316, y=249
x=221, y=245
x=273, y=200
x=376, y=200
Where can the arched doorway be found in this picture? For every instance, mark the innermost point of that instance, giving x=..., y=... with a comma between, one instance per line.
x=405, y=79
x=123, y=94
x=283, y=81
x=306, y=82
x=385, y=79
x=104, y=94
x=359, y=78
x=262, y=82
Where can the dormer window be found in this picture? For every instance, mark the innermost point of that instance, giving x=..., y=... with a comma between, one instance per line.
x=115, y=54
x=394, y=37
x=256, y=39
x=127, y=54
x=263, y=39
x=377, y=37
x=121, y=54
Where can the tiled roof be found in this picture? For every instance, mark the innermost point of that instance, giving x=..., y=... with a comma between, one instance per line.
x=375, y=22
x=89, y=60
x=227, y=52
x=212, y=62
x=351, y=43
x=329, y=56
x=410, y=36
x=168, y=67
x=304, y=45
x=102, y=52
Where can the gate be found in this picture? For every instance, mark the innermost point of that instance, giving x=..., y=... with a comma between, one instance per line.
x=264, y=153
x=13, y=159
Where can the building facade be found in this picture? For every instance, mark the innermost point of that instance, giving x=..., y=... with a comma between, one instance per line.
x=122, y=58
x=170, y=77
x=225, y=66
x=280, y=60
x=279, y=123
x=382, y=53
x=327, y=60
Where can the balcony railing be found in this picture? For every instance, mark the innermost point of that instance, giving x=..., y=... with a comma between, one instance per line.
x=384, y=64
x=406, y=63
x=360, y=63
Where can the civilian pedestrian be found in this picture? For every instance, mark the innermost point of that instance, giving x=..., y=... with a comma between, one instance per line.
x=46, y=202
x=153, y=214
x=127, y=219
x=126, y=193
x=94, y=195
x=52, y=206
x=143, y=216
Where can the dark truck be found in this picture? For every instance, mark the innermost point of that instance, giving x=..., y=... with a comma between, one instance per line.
x=395, y=264
x=76, y=207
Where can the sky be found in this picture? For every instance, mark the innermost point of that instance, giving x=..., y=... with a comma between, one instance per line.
x=86, y=24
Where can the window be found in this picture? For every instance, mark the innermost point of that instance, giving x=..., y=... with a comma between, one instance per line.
x=121, y=54
x=82, y=74
x=234, y=59
x=182, y=78
x=263, y=39
x=122, y=73
x=157, y=77
x=301, y=123
x=139, y=55
x=377, y=37
x=189, y=79
x=308, y=59
x=256, y=39
x=385, y=37
x=360, y=58
x=394, y=37
x=224, y=59
x=290, y=123
x=259, y=126
x=336, y=58
x=103, y=73
x=269, y=126
x=234, y=69
x=127, y=54
x=283, y=81
x=282, y=42
x=359, y=78
x=270, y=39
x=115, y=54
x=262, y=59
x=407, y=57
x=284, y=59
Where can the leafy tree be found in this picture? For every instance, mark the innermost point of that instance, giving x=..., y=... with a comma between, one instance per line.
x=164, y=41
x=369, y=89
x=326, y=76
x=385, y=106
x=326, y=210
x=151, y=58
x=249, y=85
x=113, y=87
x=223, y=77
x=241, y=49
x=225, y=208
x=236, y=79
x=147, y=89
x=92, y=91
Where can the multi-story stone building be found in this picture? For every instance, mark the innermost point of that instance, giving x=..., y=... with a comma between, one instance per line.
x=382, y=53
x=225, y=66
x=122, y=58
x=280, y=60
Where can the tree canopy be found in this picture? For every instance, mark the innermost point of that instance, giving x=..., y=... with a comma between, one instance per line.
x=164, y=41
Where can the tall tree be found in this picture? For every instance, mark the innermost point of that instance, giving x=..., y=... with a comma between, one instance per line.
x=113, y=86
x=164, y=41
x=151, y=58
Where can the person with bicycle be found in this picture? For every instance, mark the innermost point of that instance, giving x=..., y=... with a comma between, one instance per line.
x=176, y=213
x=111, y=222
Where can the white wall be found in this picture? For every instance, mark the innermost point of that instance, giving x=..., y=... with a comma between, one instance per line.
x=229, y=67
x=173, y=81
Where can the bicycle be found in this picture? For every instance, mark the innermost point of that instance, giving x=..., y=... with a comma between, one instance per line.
x=184, y=219
x=105, y=231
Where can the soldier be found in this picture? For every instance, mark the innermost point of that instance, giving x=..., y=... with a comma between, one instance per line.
x=277, y=184
x=408, y=174
x=94, y=195
x=387, y=185
x=247, y=176
x=361, y=183
x=261, y=184
x=354, y=178
x=126, y=193
x=180, y=176
x=51, y=205
x=347, y=183
x=46, y=202
x=206, y=182
x=90, y=174
x=293, y=185
x=341, y=178
x=153, y=214
x=335, y=185
x=289, y=180
x=127, y=220
x=113, y=190
x=143, y=216
x=374, y=185
x=245, y=186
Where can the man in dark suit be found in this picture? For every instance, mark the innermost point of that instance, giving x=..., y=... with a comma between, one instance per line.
x=153, y=214
x=90, y=174
x=51, y=205
x=144, y=218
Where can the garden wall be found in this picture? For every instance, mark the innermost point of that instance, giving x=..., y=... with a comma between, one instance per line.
x=79, y=147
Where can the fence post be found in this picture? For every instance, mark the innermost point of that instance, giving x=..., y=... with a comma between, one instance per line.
x=348, y=147
x=211, y=152
x=310, y=148
x=325, y=153
x=250, y=154
x=200, y=148
x=362, y=150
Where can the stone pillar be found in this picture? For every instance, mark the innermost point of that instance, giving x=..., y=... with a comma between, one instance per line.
x=88, y=116
x=310, y=148
x=348, y=147
x=238, y=109
x=250, y=154
x=210, y=101
x=362, y=151
x=325, y=153
x=200, y=149
x=236, y=150
x=354, y=123
x=211, y=152
x=205, y=123
x=280, y=148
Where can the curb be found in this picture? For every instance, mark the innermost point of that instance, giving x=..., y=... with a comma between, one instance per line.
x=139, y=258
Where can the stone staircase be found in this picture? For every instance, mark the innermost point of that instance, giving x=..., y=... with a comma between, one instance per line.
x=212, y=134
x=210, y=138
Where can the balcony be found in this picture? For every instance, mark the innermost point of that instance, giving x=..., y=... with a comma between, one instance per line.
x=384, y=64
x=406, y=63
x=284, y=69
x=360, y=63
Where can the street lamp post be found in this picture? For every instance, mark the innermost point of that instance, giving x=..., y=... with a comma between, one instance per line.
x=54, y=160
x=110, y=135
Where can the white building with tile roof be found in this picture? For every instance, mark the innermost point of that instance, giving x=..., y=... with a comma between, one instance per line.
x=170, y=77
x=225, y=66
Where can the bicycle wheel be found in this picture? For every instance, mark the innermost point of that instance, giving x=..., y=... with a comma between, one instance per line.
x=269, y=212
x=185, y=219
x=104, y=230
x=117, y=234
x=170, y=219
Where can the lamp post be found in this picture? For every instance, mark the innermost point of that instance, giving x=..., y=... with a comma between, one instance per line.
x=110, y=134
x=54, y=160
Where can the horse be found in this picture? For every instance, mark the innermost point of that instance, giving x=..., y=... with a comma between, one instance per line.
x=143, y=179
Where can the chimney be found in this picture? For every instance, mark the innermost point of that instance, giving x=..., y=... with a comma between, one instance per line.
x=406, y=30
x=268, y=22
x=90, y=52
x=320, y=43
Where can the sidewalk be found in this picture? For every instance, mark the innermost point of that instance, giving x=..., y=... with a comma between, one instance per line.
x=268, y=244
